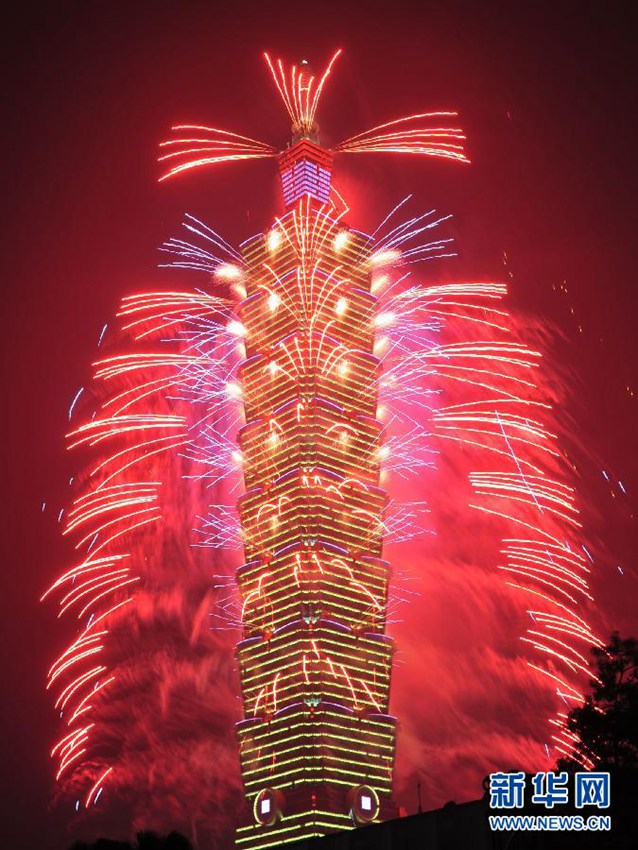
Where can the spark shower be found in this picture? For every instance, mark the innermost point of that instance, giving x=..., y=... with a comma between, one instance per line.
x=251, y=450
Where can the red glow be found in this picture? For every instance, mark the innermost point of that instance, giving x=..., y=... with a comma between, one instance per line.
x=346, y=370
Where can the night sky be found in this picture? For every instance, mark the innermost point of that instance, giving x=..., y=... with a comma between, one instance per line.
x=547, y=97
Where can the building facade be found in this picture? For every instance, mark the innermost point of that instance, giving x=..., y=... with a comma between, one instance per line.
x=316, y=741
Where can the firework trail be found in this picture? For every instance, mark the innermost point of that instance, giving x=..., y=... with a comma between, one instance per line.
x=499, y=616
x=146, y=689
x=487, y=548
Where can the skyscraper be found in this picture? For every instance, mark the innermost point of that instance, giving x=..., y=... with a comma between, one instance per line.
x=317, y=743
x=286, y=353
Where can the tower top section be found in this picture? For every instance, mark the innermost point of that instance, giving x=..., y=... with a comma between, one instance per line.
x=432, y=134
x=300, y=90
x=306, y=169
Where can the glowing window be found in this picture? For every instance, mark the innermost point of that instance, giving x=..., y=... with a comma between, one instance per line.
x=273, y=301
x=341, y=306
x=274, y=240
x=264, y=806
x=341, y=240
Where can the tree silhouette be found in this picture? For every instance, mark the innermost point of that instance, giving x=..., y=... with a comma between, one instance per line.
x=607, y=723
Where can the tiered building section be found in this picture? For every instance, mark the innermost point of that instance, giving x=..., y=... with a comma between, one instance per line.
x=316, y=744
x=306, y=169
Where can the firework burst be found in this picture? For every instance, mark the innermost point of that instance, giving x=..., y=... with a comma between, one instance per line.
x=279, y=412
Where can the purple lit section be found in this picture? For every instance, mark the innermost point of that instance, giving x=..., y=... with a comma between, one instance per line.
x=305, y=178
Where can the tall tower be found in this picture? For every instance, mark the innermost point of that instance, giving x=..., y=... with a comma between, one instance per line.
x=299, y=417
x=317, y=743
